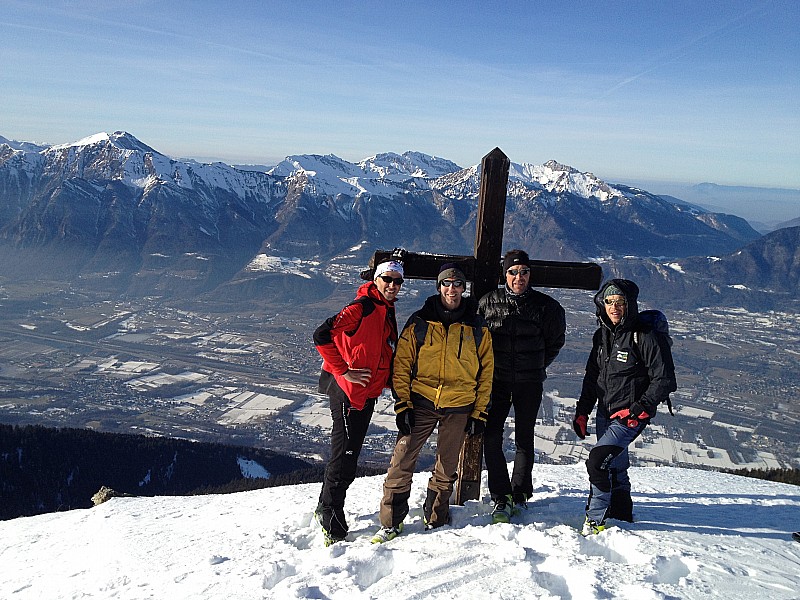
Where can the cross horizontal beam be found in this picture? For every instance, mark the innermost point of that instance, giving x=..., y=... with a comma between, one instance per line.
x=544, y=273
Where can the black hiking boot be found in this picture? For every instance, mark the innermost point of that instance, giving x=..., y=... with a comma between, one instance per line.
x=333, y=524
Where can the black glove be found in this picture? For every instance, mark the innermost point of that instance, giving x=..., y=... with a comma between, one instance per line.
x=579, y=425
x=405, y=421
x=474, y=426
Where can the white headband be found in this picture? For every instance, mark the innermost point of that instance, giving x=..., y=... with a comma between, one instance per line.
x=389, y=265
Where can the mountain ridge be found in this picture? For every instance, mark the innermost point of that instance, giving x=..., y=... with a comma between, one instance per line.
x=111, y=209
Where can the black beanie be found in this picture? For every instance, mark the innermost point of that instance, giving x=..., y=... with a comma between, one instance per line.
x=514, y=258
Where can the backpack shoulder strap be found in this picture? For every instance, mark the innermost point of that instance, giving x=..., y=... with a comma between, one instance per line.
x=322, y=334
x=420, y=331
x=477, y=334
x=367, y=305
x=367, y=308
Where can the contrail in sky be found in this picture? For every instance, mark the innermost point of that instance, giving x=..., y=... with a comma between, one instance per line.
x=683, y=50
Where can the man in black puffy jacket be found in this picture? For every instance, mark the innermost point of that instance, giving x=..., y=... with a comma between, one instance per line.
x=628, y=374
x=528, y=329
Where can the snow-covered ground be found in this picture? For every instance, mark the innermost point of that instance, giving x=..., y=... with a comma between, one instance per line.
x=698, y=534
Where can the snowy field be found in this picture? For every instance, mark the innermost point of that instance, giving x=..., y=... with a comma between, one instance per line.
x=698, y=534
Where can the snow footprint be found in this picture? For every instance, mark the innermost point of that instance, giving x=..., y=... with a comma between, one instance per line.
x=277, y=571
x=671, y=569
x=615, y=545
x=368, y=571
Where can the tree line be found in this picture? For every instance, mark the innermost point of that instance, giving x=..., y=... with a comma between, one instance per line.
x=46, y=469
x=791, y=476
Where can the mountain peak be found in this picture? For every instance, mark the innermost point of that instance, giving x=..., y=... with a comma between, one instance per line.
x=126, y=141
x=554, y=165
x=415, y=164
x=314, y=164
x=119, y=139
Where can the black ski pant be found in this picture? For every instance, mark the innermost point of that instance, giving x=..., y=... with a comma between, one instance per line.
x=347, y=437
x=526, y=398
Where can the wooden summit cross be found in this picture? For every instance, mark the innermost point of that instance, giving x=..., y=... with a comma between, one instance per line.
x=484, y=270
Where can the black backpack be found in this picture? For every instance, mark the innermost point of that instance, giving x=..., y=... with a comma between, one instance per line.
x=656, y=321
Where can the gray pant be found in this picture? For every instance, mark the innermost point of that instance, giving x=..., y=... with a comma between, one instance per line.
x=397, y=486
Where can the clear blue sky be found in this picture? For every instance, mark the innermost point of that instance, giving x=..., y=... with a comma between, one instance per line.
x=706, y=90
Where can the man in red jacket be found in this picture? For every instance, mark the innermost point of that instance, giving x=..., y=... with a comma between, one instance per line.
x=356, y=345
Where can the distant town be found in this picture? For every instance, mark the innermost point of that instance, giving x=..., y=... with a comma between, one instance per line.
x=250, y=379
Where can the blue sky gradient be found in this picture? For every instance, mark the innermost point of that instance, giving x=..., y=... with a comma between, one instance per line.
x=673, y=91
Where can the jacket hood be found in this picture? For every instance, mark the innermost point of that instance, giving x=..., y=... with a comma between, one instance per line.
x=370, y=290
x=631, y=292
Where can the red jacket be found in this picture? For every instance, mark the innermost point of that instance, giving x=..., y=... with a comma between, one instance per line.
x=362, y=335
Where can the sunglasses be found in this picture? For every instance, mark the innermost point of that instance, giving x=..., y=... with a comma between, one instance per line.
x=515, y=272
x=394, y=280
x=452, y=282
x=620, y=302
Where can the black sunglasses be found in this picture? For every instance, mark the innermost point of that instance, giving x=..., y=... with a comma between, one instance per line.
x=452, y=282
x=394, y=280
x=515, y=272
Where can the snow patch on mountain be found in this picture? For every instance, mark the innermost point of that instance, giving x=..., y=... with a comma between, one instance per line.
x=251, y=469
x=414, y=164
x=558, y=179
x=266, y=263
x=330, y=175
x=89, y=140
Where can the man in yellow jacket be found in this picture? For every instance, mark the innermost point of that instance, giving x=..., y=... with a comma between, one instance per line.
x=442, y=376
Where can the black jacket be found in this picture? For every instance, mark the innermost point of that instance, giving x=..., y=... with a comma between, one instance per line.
x=527, y=333
x=620, y=370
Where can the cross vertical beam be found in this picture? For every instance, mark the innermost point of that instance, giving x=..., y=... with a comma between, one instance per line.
x=489, y=222
x=488, y=249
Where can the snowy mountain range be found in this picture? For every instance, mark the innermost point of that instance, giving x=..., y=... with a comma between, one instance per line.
x=112, y=210
x=698, y=535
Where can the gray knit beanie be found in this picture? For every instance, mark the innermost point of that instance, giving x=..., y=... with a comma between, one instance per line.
x=450, y=271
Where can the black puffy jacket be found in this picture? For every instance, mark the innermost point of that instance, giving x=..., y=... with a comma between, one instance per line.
x=620, y=369
x=527, y=333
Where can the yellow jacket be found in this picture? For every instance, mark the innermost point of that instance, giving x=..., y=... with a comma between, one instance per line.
x=444, y=365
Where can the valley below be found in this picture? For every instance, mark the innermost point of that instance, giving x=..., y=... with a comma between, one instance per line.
x=246, y=374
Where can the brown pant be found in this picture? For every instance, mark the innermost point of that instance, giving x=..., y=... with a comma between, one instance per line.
x=397, y=486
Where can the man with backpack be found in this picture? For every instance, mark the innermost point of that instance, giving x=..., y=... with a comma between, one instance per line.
x=356, y=345
x=628, y=374
x=442, y=377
